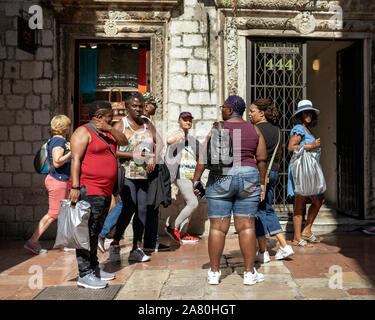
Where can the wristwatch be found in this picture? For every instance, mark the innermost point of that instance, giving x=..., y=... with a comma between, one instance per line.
x=76, y=188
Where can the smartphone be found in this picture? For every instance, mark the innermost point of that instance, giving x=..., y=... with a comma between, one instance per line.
x=199, y=186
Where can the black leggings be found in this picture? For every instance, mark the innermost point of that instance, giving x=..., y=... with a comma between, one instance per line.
x=134, y=199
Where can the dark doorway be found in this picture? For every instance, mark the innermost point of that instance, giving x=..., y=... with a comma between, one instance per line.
x=350, y=135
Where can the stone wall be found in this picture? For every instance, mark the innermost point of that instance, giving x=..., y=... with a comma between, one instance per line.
x=188, y=85
x=30, y=93
x=26, y=107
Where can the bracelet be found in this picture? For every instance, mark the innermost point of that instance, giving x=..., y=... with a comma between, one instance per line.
x=76, y=188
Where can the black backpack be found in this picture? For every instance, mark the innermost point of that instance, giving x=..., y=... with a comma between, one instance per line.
x=41, y=161
x=219, y=150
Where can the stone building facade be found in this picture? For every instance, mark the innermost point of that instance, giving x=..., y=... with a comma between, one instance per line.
x=200, y=53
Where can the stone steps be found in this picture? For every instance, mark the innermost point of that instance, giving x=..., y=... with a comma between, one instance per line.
x=327, y=221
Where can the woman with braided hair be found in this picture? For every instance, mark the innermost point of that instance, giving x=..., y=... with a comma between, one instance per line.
x=264, y=114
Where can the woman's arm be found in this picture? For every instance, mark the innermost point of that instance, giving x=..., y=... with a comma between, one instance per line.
x=261, y=158
x=102, y=126
x=176, y=136
x=58, y=157
x=79, y=142
x=200, y=167
x=295, y=140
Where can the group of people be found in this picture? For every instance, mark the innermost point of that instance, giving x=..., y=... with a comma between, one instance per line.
x=88, y=167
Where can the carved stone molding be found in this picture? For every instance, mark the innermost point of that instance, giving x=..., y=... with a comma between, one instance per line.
x=231, y=57
x=110, y=28
x=125, y=4
x=350, y=5
x=305, y=23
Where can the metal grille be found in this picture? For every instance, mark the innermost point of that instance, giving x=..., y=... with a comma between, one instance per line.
x=76, y=293
x=277, y=70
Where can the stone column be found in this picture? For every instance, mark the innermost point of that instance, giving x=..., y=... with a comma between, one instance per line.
x=188, y=86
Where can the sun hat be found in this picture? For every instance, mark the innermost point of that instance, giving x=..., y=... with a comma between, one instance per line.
x=185, y=114
x=304, y=105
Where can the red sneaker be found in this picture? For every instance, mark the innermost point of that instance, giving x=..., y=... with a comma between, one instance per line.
x=174, y=234
x=187, y=238
x=370, y=231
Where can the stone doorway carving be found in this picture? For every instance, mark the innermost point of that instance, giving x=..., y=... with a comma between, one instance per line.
x=106, y=23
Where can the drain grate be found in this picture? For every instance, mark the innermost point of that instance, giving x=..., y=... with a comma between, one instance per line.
x=76, y=293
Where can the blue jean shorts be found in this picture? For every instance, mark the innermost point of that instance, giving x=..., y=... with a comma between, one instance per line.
x=238, y=191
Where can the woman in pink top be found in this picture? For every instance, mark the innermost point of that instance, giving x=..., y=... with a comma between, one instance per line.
x=238, y=190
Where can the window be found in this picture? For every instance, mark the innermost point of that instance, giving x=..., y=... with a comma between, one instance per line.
x=104, y=66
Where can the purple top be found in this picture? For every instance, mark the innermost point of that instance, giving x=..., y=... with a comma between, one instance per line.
x=245, y=142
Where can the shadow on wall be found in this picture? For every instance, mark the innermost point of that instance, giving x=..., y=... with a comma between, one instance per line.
x=198, y=221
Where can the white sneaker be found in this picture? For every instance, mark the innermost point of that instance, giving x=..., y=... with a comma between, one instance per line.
x=213, y=277
x=284, y=252
x=262, y=257
x=252, y=278
x=114, y=253
x=138, y=255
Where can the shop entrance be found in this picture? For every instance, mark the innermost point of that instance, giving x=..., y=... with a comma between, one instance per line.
x=109, y=70
x=288, y=70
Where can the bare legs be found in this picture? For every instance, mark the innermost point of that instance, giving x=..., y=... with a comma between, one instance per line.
x=216, y=240
x=300, y=203
x=245, y=228
x=311, y=215
x=279, y=236
x=43, y=225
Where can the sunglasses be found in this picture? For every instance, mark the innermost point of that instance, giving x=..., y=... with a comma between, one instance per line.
x=222, y=107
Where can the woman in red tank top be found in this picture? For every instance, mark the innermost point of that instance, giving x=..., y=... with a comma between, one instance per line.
x=94, y=172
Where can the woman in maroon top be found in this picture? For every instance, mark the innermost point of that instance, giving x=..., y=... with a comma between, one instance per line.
x=238, y=190
x=94, y=173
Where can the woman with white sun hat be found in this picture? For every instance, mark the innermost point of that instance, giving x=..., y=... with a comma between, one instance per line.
x=304, y=118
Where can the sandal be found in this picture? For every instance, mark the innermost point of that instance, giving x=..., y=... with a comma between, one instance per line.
x=312, y=238
x=302, y=243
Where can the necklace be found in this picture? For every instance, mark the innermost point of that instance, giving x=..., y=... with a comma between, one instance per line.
x=235, y=116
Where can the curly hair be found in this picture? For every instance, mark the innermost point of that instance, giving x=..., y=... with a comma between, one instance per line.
x=59, y=124
x=236, y=103
x=269, y=109
x=297, y=119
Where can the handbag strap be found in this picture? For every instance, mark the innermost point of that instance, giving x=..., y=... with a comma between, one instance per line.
x=92, y=127
x=110, y=94
x=272, y=159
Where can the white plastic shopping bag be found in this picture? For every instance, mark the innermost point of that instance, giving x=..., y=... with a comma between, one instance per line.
x=307, y=173
x=72, y=225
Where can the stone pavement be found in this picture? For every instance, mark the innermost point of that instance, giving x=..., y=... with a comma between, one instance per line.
x=181, y=274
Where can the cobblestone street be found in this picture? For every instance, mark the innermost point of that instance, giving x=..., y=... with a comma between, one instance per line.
x=182, y=274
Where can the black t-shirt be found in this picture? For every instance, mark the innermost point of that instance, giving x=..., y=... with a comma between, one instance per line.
x=271, y=136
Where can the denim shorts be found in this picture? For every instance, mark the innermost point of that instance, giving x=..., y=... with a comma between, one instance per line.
x=238, y=191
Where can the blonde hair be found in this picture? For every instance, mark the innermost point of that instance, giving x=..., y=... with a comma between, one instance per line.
x=59, y=124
